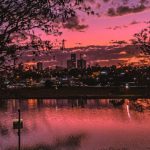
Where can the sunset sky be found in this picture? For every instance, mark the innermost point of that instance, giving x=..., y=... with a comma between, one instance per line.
x=113, y=20
x=127, y=18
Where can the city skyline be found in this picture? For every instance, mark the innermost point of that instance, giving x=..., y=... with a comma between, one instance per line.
x=94, y=55
x=112, y=21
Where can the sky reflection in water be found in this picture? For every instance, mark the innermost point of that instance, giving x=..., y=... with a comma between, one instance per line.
x=77, y=124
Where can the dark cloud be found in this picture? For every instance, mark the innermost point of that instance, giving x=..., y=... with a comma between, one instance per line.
x=144, y=1
x=74, y=24
x=109, y=28
x=123, y=10
x=121, y=42
x=98, y=5
x=139, y=9
x=134, y=22
x=125, y=26
x=147, y=22
x=106, y=1
x=125, y=2
x=117, y=27
x=91, y=1
x=111, y=12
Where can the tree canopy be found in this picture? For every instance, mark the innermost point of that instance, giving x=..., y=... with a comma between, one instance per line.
x=142, y=40
x=19, y=20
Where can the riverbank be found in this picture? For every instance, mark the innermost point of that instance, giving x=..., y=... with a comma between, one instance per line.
x=75, y=92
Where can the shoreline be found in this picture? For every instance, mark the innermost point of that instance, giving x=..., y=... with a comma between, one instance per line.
x=76, y=93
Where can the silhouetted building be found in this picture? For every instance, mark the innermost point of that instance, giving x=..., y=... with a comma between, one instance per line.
x=71, y=64
x=73, y=57
x=81, y=64
x=39, y=66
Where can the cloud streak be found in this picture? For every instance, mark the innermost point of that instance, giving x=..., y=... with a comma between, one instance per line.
x=123, y=10
x=134, y=22
x=74, y=24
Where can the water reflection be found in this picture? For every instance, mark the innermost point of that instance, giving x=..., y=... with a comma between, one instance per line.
x=78, y=124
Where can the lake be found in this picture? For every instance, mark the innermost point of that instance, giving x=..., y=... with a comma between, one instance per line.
x=76, y=124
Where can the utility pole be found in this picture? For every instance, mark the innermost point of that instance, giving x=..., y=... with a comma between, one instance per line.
x=63, y=45
x=19, y=127
x=18, y=124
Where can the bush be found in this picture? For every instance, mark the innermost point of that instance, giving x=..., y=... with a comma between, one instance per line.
x=48, y=83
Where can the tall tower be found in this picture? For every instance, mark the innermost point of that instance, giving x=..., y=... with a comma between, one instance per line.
x=63, y=45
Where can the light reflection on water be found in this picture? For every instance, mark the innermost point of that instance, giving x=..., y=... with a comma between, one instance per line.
x=77, y=124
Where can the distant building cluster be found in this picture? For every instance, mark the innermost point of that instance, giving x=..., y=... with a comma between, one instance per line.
x=39, y=66
x=74, y=63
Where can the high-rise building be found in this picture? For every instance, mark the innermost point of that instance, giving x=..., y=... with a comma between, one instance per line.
x=81, y=64
x=71, y=63
x=39, y=66
x=74, y=63
x=73, y=57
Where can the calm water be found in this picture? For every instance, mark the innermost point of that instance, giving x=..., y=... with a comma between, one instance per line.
x=100, y=124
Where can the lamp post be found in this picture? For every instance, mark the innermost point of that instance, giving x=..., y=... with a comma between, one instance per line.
x=18, y=124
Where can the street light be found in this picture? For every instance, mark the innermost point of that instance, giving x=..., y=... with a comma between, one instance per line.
x=127, y=86
x=18, y=124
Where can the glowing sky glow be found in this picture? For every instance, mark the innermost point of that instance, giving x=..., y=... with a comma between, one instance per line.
x=98, y=32
x=101, y=30
x=129, y=17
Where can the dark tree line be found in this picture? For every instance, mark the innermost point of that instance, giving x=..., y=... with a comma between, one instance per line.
x=142, y=40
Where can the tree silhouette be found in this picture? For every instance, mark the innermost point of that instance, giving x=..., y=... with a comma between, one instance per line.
x=19, y=20
x=142, y=41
